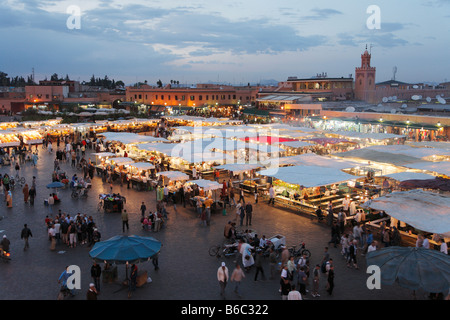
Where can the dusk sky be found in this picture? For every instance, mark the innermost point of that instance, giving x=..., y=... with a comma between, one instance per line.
x=230, y=41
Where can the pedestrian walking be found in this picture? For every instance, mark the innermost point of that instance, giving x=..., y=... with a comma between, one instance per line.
x=241, y=196
x=294, y=294
x=32, y=195
x=155, y=261
x=52, y=237
x=125, y=220
x=285, y=288
x=26, y=193
x=143, y=209
x=302, y=280
x=9, y=199
x=222, y=277
x=96, y=272
x=273, y=262
x=330, y=280
x=50, y=202
x=237, y=276
x=92, y=292
x=316, y=280
x=133, y=279
x=72, y=231
x=25, y=234
x=248, y=214
x=258, y=265
x=271, y=195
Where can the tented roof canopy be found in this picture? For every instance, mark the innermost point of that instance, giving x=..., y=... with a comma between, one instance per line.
x=442, y=167
x=403, y=176
x=129, y=138
x=142, y=165
x=174, y=175
x=312, y=159
x=206, y=184
x=309, y=176
x=424, y=210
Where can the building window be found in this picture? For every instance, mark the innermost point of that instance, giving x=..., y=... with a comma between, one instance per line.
x=234, y=96
x=162, y=97
x=140, y=96
x=200, y=97
x=207, y=97
x=192, y=98
x=176, y=98
x=183, y=98
x=156, y=97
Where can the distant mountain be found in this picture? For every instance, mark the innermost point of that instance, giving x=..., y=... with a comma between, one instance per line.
x=268, y=82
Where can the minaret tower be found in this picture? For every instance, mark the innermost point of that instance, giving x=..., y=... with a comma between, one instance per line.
x=365, y=79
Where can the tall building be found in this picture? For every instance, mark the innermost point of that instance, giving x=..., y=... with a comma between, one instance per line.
x=365, y=79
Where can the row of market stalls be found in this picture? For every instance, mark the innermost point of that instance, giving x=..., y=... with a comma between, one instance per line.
x=285, y=157
x=15, y=137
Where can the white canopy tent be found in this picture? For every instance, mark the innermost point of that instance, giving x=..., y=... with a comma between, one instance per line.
x=238, y=168
x=406, y=150
x=206, y=184
x=165, y=148
x=424, y=210
x=309, y=176
x=312, y=159
x=142, y=166
x=120, y=161
x=130, y=138
x=406, y=175
x=174, y=175
x=442, y=167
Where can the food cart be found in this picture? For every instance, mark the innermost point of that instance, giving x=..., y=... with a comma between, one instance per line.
x=112, y=202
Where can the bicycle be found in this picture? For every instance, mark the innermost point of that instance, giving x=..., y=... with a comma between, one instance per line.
x=226, y=250
x=19, y=180
x=300, y=252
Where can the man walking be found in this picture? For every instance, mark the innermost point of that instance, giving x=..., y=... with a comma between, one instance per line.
x=96, y=271
x=271, y=195
x=25, y=234
x=222, y=276
x=143, y=209
x=124, y=220
x=258, y=265
x=248, y=215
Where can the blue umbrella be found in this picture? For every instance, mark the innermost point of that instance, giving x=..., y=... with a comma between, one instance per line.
x=55, y=184
x=413, y=268
x=125, y=249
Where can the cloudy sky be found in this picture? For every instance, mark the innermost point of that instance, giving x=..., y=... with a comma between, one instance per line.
x=230, y=41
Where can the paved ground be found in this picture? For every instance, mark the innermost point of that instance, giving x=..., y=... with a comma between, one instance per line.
x=187, y=272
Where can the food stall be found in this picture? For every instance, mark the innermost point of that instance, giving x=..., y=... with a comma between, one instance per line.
x=30, y=136
x=141, y=175
x=307, y=188
x=414, y=212
x=8, y=139
x=112, y=202
x=325, y=145
x=247, y=176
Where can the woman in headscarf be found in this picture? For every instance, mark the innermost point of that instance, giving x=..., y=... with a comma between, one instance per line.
x=26, y=193
x=9, y=199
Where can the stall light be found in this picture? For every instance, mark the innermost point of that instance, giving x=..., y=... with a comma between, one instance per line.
x=439, y=124
x=381, y=119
